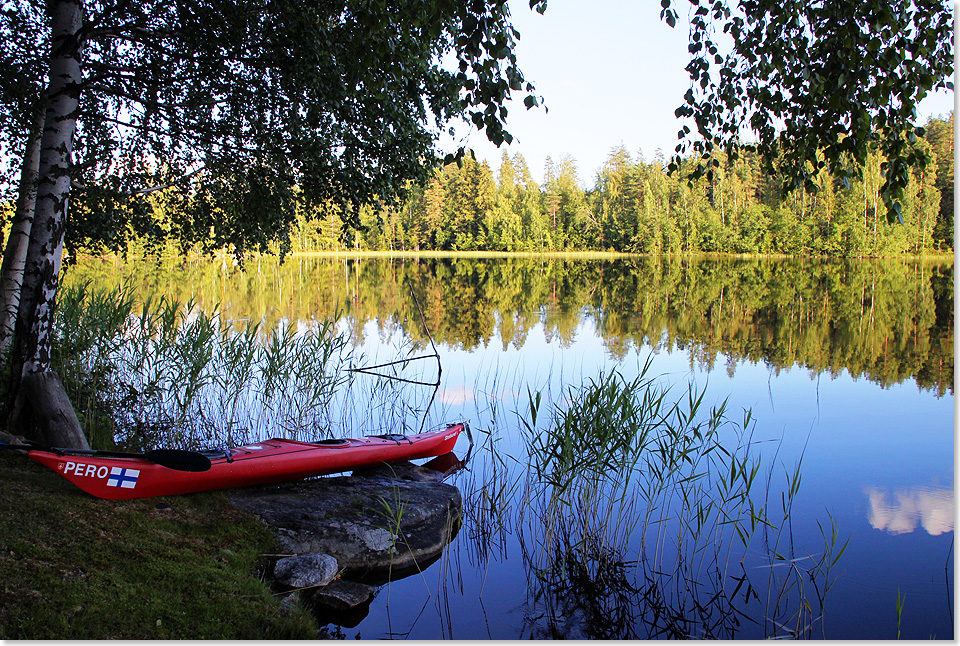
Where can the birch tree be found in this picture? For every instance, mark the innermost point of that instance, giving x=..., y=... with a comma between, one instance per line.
x=23, y=40
x=342, y=99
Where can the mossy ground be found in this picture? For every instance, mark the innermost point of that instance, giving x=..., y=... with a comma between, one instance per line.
x=184, y=567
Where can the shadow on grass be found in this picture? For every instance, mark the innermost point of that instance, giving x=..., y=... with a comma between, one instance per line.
x=184, y=567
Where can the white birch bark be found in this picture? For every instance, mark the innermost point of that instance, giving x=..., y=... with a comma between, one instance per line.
x=44, y=253
x=15, y=251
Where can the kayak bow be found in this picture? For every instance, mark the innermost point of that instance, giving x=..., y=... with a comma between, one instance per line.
x=118, y=477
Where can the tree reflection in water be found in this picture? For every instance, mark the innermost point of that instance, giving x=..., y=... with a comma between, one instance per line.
x=885, y=320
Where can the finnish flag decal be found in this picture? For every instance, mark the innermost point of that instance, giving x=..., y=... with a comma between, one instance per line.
x=123, y=478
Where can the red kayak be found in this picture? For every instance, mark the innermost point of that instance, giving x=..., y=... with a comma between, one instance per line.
x=118, y=476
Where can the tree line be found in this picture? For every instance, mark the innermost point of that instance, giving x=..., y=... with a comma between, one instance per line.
x=635, y=206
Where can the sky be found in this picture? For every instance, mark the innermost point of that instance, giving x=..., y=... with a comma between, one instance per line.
x=611, y=73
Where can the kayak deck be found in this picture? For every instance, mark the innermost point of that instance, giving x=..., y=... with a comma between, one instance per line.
x=275, y=460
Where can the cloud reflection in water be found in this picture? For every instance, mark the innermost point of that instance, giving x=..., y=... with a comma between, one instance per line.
x=455, y=396
x=931, y=507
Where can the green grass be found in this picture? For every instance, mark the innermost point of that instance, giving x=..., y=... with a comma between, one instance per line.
x=77, y=567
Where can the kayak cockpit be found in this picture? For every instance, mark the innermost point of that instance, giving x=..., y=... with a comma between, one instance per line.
x=333, y=442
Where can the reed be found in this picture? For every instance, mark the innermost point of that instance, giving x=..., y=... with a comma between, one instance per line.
x=900, y=602
x=89, y=332
x=638, y=513
x=171, y=374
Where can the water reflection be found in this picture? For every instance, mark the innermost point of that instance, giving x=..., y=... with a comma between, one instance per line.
x=930, y=507
x=456, y=395
x=888, y=321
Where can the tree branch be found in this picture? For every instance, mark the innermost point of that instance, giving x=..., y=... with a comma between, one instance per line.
x=140, y=191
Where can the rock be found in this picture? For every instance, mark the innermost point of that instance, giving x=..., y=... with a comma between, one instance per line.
x=343, y=595
x=306, y=570
x=344, y=603
x=289, y=604
x=9, y=438
x=377, y=539
x=433, y=471
x=372, y=528
x=376, y=528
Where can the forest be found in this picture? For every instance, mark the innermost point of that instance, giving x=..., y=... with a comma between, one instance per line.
x=635, y=206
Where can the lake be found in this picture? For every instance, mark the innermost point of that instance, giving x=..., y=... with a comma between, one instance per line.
x=846, y=369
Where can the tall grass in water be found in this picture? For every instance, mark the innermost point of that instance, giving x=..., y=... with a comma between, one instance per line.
x=88, y=332
x=643, y=515
x=169, y=374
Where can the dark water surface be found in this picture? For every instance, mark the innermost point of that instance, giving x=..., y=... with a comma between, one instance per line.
x=847, y=368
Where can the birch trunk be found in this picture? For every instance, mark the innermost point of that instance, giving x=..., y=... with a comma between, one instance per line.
x=15, y=252
x=33, y=384
x=44, y=253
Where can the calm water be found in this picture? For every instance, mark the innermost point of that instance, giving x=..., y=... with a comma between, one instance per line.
x=846, y=367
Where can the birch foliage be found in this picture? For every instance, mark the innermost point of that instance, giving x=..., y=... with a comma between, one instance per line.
x=814, y=85
x=241, y=103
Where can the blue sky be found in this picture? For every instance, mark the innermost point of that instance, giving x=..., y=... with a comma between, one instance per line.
x=611, y=72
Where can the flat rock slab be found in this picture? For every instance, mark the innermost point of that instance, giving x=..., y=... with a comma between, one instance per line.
x=344, y=595
x=306, y=570
x=377, y=528
x=344, y=603
x=439, y=469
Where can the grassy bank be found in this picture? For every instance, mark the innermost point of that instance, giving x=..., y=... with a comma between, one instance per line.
x=184, y=567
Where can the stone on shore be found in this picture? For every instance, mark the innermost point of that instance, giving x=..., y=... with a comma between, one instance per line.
x=373, y=527
x=341, y=595
x=306, y=570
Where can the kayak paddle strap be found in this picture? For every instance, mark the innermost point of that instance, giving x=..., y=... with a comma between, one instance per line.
x=394, y=437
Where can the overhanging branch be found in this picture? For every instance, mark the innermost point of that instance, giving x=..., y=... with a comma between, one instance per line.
x=140, y=191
